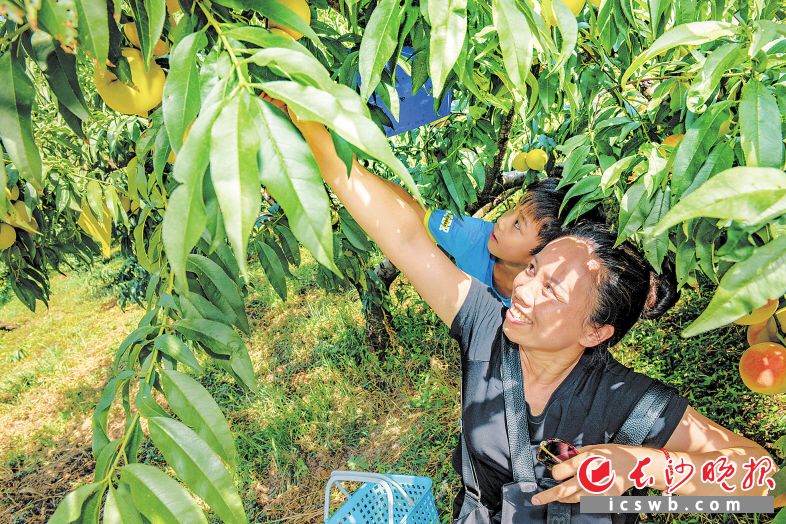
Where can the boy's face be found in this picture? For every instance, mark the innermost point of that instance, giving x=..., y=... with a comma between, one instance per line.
x=514, y=236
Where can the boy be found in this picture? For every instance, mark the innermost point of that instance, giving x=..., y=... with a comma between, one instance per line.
x=495, y=252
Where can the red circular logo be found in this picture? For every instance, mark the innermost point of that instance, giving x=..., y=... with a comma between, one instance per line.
x=596, y=475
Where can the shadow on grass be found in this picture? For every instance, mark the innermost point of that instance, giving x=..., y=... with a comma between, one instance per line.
x=34, y=483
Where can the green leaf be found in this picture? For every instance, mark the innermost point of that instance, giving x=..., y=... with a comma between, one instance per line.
x=95, y=197
x=299, y=64
x=186, y=218
x=455, y=188
x=221, y=340
x=766, y=31
x=310, y=103
x=749, y=195
x=198, y=466
x=379, y=41
x=70, y=508
x=278, y=250
x=59, y=19
x=92, y=506
x=194, y=405
x=684, y=259
x=719, y=159
x=61, y=76
x=780, y=484
x=353, y=232
x=159, y=497
x=448, y=30
x=197, y=306
x=261, y=37
x=149, y=16
x=235, y=171
x=716, y=64
x=693, y=33
x=146, y=404
x=119, y=509
x=220, y=289
x=344, y=151
x=588, y=184
x=105, y=459
x=745, y=286
x=137, y=336
x=290, y=173
x=281, y=14
x=568, y=27
x=656, y=248
x=296, y=64
x=287, y=239
x=274, y=270
x=136, y=436
x=420, y=68
x=181, y=102
x=93, y=27
x=100, y=438
x=611, y=174
x=176, y=348
x=760, y=126
x=635, y=207
x=223, y=256
x=16, y=126
x=693, y=149
x=515, y=39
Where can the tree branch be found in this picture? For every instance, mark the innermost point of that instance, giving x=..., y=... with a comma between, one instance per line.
x=491, y=187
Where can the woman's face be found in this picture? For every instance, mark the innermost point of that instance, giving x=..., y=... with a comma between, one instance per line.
x=553, y=297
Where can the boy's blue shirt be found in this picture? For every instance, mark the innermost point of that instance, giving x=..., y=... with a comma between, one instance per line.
x=466, y=240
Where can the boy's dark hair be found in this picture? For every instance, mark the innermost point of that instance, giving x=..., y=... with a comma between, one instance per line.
x=543, y=200
x=628, y=287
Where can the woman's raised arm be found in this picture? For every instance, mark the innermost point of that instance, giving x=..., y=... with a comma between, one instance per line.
x=393, y=223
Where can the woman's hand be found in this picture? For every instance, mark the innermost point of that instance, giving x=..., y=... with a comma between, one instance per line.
x=623, y=460
x=310, y=130
x=275, y=101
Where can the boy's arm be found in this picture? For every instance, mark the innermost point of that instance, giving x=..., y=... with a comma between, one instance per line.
x=394, y=221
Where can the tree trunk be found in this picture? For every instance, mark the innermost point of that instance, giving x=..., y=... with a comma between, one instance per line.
x=376, y=309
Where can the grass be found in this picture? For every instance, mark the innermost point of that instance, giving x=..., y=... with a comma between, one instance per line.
x=52, y=368
x=325, y=402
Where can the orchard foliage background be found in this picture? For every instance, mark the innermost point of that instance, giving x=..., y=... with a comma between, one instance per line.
x=669, y=113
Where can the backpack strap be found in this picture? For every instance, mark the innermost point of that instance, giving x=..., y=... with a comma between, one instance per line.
x=638, y=425
x=640, y=421
x=518, y=432
x=516, y=416
x=471, y=487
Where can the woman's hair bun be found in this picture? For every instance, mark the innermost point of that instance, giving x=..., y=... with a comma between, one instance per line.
x=662, y=294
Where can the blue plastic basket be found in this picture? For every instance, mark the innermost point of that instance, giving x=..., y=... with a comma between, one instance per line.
x=392, y=499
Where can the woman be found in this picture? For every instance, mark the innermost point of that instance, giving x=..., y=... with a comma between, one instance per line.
x=575, y=299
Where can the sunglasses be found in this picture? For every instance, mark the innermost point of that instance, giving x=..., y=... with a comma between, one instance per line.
x=553, y=451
